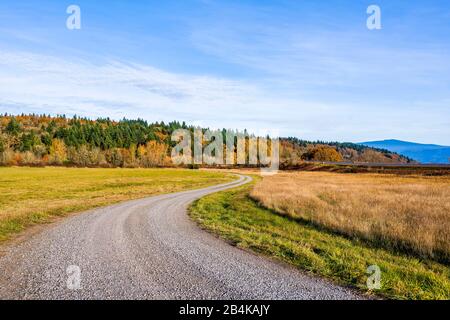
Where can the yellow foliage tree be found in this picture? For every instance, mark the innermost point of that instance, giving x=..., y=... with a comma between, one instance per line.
x=154, y=154
x=58, y=152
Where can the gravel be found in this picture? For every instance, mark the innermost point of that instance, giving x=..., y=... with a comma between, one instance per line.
x=148, y=249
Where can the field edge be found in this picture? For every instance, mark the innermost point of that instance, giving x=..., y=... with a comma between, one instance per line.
x=236, y=218
x=17, y=228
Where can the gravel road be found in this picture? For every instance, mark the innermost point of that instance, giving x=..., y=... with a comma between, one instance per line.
x=147, y=249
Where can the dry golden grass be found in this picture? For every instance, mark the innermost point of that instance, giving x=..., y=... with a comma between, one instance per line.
x=403, y=213
x=34, y=195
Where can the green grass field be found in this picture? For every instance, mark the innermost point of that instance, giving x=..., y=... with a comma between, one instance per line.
x=36, y=195
x=234, y=216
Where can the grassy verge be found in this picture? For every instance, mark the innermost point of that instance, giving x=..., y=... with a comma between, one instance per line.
x=36, y=195
x=234, y=216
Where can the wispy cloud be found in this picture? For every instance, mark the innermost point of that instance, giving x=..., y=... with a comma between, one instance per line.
x=116, y=88
x=308, y=68
x=46, y=84
x=317, y=57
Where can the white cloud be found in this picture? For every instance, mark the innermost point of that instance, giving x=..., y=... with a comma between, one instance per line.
x=324, y=58
x=40, y=83
x=46, y=84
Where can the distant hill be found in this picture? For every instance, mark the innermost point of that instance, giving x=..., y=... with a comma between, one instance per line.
x=39, y=140
x=424, y=153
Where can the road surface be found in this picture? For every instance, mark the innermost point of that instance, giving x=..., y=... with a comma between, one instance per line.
x=147, y=249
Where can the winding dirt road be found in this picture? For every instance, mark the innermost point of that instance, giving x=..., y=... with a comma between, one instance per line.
x=148, y=249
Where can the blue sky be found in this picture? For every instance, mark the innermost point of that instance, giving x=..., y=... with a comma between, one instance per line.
x=309, y=69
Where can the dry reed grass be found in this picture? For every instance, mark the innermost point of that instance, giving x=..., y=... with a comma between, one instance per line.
x=403, y=213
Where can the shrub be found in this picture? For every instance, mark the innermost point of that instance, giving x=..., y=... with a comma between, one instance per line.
x=323, y=153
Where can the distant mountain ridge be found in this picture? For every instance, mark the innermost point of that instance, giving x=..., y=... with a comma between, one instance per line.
x=424, y=153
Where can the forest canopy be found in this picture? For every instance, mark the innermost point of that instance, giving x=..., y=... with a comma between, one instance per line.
x=38, y=140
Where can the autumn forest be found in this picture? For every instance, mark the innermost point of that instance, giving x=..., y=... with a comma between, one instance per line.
x=39, y=140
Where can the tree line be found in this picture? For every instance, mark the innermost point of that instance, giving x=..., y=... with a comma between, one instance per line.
x=31, y=139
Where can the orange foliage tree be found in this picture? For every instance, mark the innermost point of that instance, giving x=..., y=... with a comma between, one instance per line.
x=323, y=153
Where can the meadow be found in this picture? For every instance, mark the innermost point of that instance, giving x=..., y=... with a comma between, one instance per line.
x=333, y=225
x=30, y=196
x=237, y=218
x=409, y=214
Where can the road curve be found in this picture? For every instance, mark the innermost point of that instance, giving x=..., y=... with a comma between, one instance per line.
x=148, y=249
